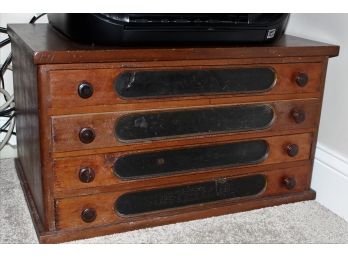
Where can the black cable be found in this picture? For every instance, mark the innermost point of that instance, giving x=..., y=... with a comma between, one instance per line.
x=5, y=42
x=5, y=130
x=6, y=64
x=5, y=114
x=2, y=81
x=3, y=85
x=36, y=17
x=3, y=70
x=7, y=111
x=7, y=123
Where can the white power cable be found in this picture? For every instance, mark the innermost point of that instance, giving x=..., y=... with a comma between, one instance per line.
x=10, y=100
x=10, y=103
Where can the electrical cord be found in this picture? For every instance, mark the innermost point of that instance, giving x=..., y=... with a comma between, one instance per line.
x=8, y=109
x=5, y=130
x=36, y=17
x=9, y=101
x=5, y=42
x=6, y=64
x=2, y=82
x=11, y=121
x=3, y=69
x=6, y=112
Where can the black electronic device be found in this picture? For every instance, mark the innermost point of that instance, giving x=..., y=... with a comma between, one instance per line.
x=125, y=29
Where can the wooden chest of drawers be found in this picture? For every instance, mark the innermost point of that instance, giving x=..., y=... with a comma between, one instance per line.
x=116, y=139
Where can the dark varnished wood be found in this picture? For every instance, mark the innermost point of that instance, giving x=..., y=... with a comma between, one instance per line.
x=69, y=209
x=48, y=47
x=31, y=202
x=27, y=123
x=66, y=181
x=315, y=135
x=67, y=170
x=46, y=142
x=219, y=209
x=165, y=104
x=66, y=129
x=64, y=84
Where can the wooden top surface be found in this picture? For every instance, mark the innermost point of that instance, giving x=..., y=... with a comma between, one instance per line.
x=51, y=47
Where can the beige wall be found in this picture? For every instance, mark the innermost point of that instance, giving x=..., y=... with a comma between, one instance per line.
x=330, y=28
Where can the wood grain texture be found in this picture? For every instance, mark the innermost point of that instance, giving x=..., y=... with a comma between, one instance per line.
x=66, y=170
x=60, y=236
x=28, y=122
x=50, y=47
x=64, y=84
x=315, y=135
x=35, y=216
x=47, y=70
x=46, y=142
x=180, y=103
x=66, y=129
x=69, y=210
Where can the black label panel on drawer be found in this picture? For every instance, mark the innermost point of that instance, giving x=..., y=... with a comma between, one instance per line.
x=151, y=84
x=239, y=118
x=161, y=163
x=179, y=196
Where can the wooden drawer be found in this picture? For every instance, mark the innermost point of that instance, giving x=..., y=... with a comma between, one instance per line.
x=128, y=205
x=138, y=168
x=125, y=130
x=136, y=85
x=128, y=94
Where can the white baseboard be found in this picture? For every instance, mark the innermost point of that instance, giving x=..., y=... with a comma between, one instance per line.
x=330, y=180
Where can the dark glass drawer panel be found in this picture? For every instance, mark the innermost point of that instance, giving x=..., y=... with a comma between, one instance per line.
x=147, y=84
x=200, y=121
x=160, y=199
x=188, y=159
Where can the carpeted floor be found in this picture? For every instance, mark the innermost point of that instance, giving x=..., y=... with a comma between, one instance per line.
x=304, y=222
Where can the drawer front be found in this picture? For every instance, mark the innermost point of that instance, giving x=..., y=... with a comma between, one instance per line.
x=90, y=87
x=156, y=125
x=132, y=205
x=124, y=129
x=166, y=162
x=133, y=168
x=139, y=202
x=174, y=83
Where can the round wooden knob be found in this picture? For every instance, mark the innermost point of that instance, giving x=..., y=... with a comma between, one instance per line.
x=85, y=90
x=86, y=175
x=292, y=150
x=298, y=115
x=289, y=182
x=301, y=79
x=87, y=135
x=88, y=215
